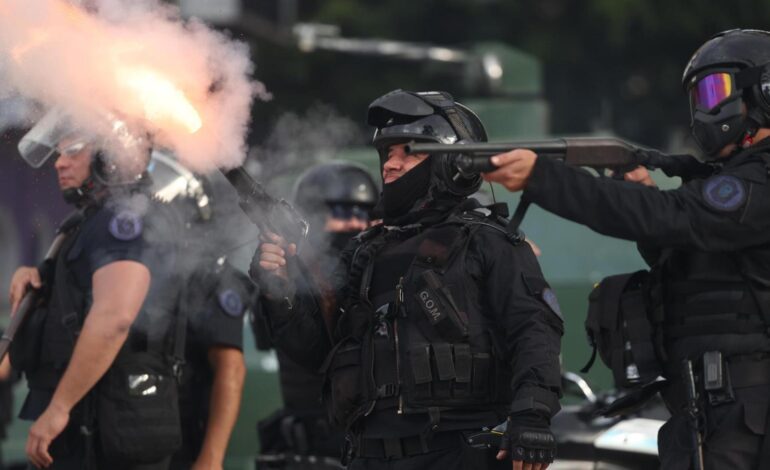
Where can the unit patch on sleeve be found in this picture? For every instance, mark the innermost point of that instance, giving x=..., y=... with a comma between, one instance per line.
x=549, y=297
x=724, y=192
x=126, y=225
x=231, y=303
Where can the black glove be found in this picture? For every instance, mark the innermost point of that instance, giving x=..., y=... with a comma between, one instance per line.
x=528, y=437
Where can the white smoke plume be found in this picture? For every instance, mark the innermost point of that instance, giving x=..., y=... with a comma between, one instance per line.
x=187, y=85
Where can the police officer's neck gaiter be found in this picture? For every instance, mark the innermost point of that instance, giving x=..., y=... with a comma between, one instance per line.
x=399, y=196
x=339, y=240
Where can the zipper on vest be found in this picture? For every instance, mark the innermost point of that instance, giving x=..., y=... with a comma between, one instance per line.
x=399, y=302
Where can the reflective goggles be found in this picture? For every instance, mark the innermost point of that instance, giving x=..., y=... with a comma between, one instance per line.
x=349, y=211
x=711, y=90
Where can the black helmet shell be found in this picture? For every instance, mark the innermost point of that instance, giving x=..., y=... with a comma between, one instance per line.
x=402, y=116
x=334, y=182
x=741, y=48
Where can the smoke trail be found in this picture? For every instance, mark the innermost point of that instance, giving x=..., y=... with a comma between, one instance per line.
x=184, y=83
x=299, y=141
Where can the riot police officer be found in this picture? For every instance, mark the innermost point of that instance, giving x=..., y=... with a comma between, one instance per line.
x=336, y=199
x=213, y=301
x=440, y=324
x=707, y=244
x=94, y=351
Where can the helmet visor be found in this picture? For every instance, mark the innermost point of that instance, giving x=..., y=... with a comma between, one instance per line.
x=40, y=143
x=711, y=90
x=433, y=128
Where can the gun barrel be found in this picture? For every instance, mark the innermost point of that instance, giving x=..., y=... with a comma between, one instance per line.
x=546, y=147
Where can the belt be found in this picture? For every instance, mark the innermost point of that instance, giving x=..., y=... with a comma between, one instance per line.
x=396, y=448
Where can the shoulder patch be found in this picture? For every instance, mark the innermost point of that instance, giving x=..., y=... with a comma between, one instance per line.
x=549, y=297
x=231, y=303
x=126, y=225
x=724, y=192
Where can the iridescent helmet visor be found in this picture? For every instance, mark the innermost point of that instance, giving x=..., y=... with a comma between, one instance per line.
x=711, y=90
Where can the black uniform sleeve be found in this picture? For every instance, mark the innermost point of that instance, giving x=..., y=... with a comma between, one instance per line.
x=224, y=310
x=296, y=322
x=523, y=305
x=112, y=237
x=725, y=212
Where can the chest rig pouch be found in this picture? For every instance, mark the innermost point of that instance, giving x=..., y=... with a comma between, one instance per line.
x=621, y=327
x=447, y=343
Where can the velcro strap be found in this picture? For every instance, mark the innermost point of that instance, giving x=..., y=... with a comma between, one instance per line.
x=714, y=328
x=444, y=363
x=481, y=366
x=420, y=357
x=462, y=363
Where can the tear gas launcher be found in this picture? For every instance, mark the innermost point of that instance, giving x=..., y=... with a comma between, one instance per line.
x=265, y=211
x=599, y=153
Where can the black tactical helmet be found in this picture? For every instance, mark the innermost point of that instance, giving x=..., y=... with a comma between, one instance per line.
x=434, y=116
x=334, y=183
x=729, y=70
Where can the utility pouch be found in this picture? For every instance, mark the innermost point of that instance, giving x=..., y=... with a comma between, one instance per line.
x=621, y=331
x=343, y=391
x=440, y=309
x=137, y=410
x=24, y=351
x=716, y=379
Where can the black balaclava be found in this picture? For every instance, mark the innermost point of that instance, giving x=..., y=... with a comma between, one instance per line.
x=400, y=196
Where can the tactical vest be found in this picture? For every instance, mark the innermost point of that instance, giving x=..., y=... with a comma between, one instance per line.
x=722, y=294
x=134, y=406
x=447, y=349
x=59, y=322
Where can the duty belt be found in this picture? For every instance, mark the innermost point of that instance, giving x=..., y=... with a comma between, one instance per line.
x=396, y=448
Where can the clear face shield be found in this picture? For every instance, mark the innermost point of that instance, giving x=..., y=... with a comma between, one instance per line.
x=43, y=140
x=124, y=149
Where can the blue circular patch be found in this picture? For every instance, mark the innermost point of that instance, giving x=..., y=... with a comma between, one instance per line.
x=549, y=297
x=231, y=303
x=126, y=225
x=724, y=193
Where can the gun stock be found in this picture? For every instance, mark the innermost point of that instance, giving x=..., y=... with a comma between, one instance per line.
x=32, y=296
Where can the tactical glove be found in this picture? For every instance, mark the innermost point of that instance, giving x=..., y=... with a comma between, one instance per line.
x=528, y=439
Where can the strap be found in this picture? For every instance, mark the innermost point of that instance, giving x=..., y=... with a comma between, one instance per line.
x=512, y=229
x=764, y=309
x=180, y=335
x=72, y=317
x=748, y=77
x=764, y=456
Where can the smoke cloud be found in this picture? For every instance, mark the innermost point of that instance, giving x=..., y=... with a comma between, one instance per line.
x=187, y=85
